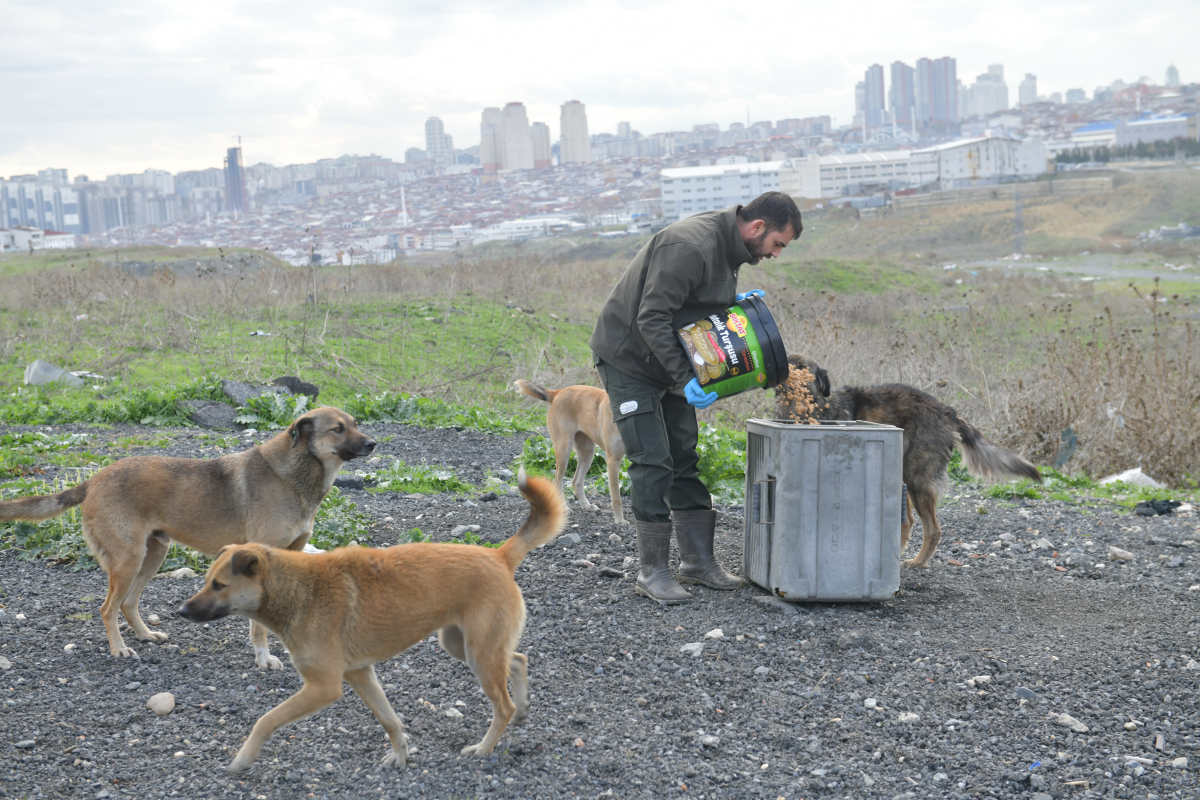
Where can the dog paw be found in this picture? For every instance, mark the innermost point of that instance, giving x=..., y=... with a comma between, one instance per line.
x=397, y=760
x=475, y=750
x=124, y=651
x=238, y=766
x=267, y=661
x=154, y=636
x=519, y=718
x=912, y=563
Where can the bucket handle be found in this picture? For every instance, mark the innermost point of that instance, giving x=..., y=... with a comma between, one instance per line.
x=758, y=501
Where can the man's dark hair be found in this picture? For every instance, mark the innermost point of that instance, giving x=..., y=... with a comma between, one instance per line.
x=777, y=209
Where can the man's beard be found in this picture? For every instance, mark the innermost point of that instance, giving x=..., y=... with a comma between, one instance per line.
x=755, y=246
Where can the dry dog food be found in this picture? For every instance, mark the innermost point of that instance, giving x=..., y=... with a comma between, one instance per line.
x=802, y=407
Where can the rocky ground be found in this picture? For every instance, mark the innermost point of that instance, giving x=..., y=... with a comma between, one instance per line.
x=951, y=689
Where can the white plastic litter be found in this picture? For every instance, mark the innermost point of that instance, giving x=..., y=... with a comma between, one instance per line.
x=1133, y=477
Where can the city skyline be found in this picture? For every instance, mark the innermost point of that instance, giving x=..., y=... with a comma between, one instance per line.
x=169, y=92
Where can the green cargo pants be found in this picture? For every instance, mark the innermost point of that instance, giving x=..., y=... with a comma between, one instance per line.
x=660, y=434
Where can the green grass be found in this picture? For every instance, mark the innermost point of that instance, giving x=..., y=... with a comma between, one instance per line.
x=427, y=412
x=417, y=479
x=851, y=276
x=20, y=452
x=149, y=405
x=41, y=260
x=459, y=347
x=1014, y=490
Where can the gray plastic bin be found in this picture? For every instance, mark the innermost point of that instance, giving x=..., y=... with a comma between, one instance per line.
x=823, y=509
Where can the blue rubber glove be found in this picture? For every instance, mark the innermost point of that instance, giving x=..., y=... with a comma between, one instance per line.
x=737, y=298
x=696, y=396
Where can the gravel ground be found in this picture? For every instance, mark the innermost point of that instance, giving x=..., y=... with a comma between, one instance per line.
x=951, y=689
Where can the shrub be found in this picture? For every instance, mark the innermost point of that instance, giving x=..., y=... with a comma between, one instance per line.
x=148, y=406
x=272, y=411
x=339, y=523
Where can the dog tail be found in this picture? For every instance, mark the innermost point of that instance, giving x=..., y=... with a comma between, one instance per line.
x=535, y=391
x=986, y=459
x=547, y=517
x=43, y=506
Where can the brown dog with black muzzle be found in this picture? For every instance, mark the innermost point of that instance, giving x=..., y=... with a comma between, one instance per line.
x=581, y=417
x=133, y=509
x=340, y=613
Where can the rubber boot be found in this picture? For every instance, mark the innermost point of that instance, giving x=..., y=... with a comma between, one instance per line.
x=654, y=578
x=694, y=532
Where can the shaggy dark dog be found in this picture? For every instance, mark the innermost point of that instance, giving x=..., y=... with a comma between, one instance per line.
x=931, y=432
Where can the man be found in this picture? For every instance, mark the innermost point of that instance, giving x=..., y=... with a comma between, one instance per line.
x=687, y=271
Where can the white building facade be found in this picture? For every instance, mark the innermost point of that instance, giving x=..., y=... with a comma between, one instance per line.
x=977, y=162
x=1158, y=129
x=815, y=177
x=692, y=190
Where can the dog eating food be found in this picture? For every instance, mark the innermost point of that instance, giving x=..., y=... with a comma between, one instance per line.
x=932, y=430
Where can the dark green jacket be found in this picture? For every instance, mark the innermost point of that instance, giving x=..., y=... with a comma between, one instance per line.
x=687, y=271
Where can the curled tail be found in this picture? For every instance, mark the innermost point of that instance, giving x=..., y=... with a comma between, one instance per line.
x=43, y=506
x=536, y=392
x=547, y=516
x=986, y=459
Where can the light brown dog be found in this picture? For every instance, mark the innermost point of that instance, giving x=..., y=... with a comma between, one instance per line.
x=342, y=612
x=581, y=417
x=133, y=509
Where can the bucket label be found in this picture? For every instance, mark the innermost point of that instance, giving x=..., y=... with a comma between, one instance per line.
x=719, y=348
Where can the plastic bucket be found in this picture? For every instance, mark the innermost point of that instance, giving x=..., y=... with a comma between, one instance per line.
x=737, y=349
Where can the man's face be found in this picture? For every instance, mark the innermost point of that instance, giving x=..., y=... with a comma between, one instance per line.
x=767, y=243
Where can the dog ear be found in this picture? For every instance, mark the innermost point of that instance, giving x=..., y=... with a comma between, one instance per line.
x=301, y=427
x=823, y=381
x=245, y=563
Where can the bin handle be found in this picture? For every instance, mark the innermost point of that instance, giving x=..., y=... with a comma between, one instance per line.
x=758, y=502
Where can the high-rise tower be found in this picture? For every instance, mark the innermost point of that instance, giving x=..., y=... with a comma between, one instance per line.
x=235, y=180
x=900, y=96
x=491, y=145
x=874, y=99
x=518, y=144
x=439, y=146
x=539, y=133
x=575, y=146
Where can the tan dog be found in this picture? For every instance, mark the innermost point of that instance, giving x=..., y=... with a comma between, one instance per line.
x=342, y=612
x=580, y=416
x=133, y=509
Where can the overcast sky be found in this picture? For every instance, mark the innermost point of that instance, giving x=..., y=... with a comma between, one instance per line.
x=120, y=86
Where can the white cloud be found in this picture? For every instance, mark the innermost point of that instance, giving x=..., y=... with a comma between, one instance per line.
x=103, y=88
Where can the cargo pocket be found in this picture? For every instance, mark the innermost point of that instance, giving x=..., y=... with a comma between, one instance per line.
x=629, y=415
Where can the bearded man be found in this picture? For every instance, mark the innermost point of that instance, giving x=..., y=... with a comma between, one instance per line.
x=686, y=271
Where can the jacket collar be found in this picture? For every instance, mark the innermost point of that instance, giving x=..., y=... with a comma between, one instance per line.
x=734, y=246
